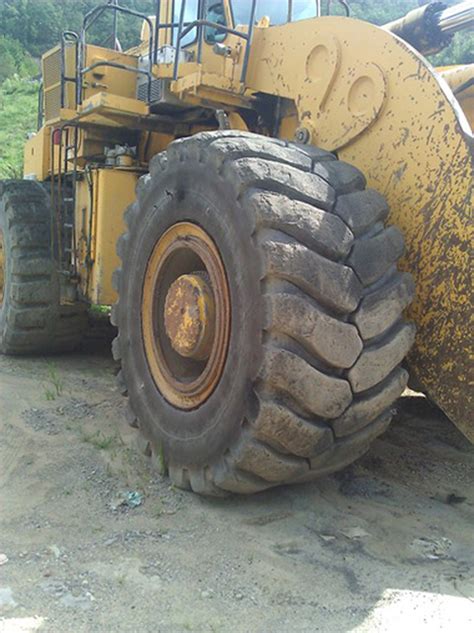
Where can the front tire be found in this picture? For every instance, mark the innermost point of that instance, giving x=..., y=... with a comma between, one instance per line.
x=312, y=363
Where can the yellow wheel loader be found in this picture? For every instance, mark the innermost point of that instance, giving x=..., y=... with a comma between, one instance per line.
x=277, y=203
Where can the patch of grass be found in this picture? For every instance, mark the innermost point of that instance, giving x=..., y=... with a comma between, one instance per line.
x=121, y=579
x=55, y=386
x=48, y=394
x=100, y=310
x=99, y=440
x=160, y=461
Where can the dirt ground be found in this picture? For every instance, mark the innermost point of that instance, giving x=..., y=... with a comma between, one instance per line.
x=387, y=545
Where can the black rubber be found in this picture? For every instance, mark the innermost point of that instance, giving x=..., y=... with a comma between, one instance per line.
x=317, y=338
x=31, y=317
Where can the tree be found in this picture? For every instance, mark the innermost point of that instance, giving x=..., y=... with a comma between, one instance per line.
x=14, y=59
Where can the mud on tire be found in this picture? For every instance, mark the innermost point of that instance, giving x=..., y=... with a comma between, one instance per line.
x=31, y=317
x=317, y=337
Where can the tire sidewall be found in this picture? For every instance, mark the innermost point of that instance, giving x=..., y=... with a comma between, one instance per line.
x=195, y=192
x=6, y=260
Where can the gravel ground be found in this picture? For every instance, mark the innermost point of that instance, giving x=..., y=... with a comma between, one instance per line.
x=93, y=539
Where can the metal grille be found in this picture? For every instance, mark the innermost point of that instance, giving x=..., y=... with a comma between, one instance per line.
x=156, y=90
x=52, y=81
x=52, y=69
x=52, y=103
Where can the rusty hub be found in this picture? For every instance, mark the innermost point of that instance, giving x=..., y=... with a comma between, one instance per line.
x=2, y=267
x=185, y=315
x=190, y=316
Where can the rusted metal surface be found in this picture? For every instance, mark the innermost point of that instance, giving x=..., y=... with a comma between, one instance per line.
x=186, y=315
x=190, y=318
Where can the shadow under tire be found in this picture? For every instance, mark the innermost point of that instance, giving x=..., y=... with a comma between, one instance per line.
x=31, y=317
x=316, y=338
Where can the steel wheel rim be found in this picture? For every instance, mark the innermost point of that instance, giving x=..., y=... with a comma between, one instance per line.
x=185, y=250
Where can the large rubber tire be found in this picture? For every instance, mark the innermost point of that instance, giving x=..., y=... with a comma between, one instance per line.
x=31, y=317
x=313, y=364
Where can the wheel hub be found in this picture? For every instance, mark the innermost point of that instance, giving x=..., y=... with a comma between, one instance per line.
x=190, y=316
x=2, y=267
x=185, y=315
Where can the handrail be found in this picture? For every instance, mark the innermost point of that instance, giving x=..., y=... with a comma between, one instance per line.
x=68, y=37
x=184, y=30
x=39, y=119
x=344, y=4
x=249, y=39
x=157, y=28
x=89, y=19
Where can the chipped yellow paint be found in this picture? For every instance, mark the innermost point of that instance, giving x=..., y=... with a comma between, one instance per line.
x=114, y=190
x=36, y=155
x=416, y=151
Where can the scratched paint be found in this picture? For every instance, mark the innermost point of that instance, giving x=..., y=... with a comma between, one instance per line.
x=416, y=151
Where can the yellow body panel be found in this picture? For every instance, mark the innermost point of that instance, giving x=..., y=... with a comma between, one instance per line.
x=37, y=155
x=113, y=190
x=101, y=79
x=113, y=81
x=108, y=110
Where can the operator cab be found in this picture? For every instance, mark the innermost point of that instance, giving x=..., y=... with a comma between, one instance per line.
x=209, y=30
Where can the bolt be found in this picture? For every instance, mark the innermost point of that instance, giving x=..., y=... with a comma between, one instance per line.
x=302, y=135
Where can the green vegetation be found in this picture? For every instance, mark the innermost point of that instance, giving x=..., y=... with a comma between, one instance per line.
x=15, y=59
x=38, y=24
x=461, y=50
x=18, y=112
x=55, y=386
x=99, y=310
x=99, y=440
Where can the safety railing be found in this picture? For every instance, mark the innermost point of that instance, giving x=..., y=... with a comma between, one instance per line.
x=88, y=21
x=68, y=38
x=183, y=29
x=200, y=25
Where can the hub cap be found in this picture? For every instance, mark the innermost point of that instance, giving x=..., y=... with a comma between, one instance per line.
x=190, y=316
x=185, y=315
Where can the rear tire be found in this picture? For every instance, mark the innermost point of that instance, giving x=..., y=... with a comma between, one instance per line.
x=31, y=317
x=317, y=338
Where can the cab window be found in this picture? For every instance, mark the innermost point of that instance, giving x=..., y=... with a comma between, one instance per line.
x=215, y=13
x=276, y=11
x=190, y=14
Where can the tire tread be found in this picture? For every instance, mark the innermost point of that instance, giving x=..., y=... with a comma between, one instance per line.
x=326, y=276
